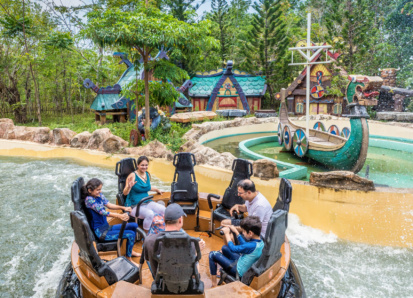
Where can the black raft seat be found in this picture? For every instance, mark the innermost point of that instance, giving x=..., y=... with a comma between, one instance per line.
x=177, y=255
x=242, y=169
x=123, y=169
x=119, y=269
x=79, y=205
x=184, y=188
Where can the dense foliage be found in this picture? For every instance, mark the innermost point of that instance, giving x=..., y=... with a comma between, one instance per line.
x=46, y=51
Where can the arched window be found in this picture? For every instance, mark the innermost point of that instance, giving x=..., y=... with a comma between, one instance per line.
x=337, y=109
x=299, y=108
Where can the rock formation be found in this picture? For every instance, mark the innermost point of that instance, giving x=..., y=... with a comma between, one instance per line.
x=341, y=180
x=265, y=169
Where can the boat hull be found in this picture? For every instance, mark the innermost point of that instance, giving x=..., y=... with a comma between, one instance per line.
x=351, y=156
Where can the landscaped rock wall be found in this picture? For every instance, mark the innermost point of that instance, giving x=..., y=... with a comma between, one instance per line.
x=100, y=139
x=206, y=155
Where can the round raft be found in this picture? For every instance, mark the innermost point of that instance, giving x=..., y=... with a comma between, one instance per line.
x=98, y=268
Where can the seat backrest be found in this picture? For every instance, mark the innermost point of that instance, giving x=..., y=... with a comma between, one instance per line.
x=242, y=169
x=77, y=199
x=284, y=197
x=274, y=239
x=184, y=178
x=84, y=239
x=176, y=263
x=123, y=169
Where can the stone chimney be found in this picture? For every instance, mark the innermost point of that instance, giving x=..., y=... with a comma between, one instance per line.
x=389, y=76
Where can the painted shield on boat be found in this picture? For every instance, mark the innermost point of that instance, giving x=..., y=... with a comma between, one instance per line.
x=334, y=130
x=280, y=133
x=319, y=126
x=300, y=142
x=288, y=138
x=345, y=133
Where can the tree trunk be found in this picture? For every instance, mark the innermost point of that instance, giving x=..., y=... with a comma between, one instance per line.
x=146, y=79
x=36, y=87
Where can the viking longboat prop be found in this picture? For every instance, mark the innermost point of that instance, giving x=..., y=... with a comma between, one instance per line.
x=339, y=151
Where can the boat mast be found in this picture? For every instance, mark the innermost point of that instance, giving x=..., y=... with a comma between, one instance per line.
x=309, y=62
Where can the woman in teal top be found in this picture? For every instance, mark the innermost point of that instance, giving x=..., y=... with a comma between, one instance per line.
x=137, y=186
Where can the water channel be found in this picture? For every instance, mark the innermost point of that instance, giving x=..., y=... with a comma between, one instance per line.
x=36, y=238
x=386, y=167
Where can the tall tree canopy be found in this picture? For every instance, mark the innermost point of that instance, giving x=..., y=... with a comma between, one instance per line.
x=146, y=29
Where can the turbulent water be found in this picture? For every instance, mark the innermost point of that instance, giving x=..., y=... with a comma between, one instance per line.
x=36, y=237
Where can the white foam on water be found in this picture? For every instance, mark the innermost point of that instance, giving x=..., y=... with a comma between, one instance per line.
x=304, y=236
x=50, y=280
x=15, y=262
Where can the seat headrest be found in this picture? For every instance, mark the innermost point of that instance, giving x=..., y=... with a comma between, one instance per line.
x=76, y=192
x=184, y=161
x=242, y=168
x=284, y=196
x=125, y=167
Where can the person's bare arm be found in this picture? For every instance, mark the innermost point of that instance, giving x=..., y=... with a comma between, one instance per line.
x=239, y=208
x=130, y=182
x=117, y=207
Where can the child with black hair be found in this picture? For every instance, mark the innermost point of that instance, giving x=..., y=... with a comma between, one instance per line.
x=96, y=202
x=238, y=258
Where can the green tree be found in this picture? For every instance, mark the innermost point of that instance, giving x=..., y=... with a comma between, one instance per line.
x=220, y=16
x=268, y=41
x=183, y=10
x=400, y=25
x=145, y=30
x=350, y=30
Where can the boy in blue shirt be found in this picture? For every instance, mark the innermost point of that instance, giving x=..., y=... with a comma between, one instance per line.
x=238, y=258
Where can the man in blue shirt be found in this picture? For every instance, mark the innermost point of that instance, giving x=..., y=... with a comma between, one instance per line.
x=237, y=259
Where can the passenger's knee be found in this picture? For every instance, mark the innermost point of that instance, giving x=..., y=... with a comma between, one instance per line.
x=226, y=222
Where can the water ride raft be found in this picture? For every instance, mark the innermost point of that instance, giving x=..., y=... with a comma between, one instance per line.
x=99, y=269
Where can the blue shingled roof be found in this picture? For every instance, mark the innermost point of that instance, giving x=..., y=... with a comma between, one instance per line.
x=251, y=85
x=105, y=102
x=204, y=86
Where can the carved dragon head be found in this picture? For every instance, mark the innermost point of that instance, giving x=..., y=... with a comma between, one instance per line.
x=363, y=89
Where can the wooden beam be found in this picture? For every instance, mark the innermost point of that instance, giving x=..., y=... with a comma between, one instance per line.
x=294, y=84
x=394, y=90
x=299, y=92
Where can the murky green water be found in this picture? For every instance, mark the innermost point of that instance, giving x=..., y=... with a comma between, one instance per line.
x=387, y=167
x=36, y=237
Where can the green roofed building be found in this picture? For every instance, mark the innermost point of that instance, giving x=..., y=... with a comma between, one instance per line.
x=227, y=89
x=109, y=100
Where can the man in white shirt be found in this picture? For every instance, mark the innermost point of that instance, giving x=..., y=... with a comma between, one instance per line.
x=255, y=204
